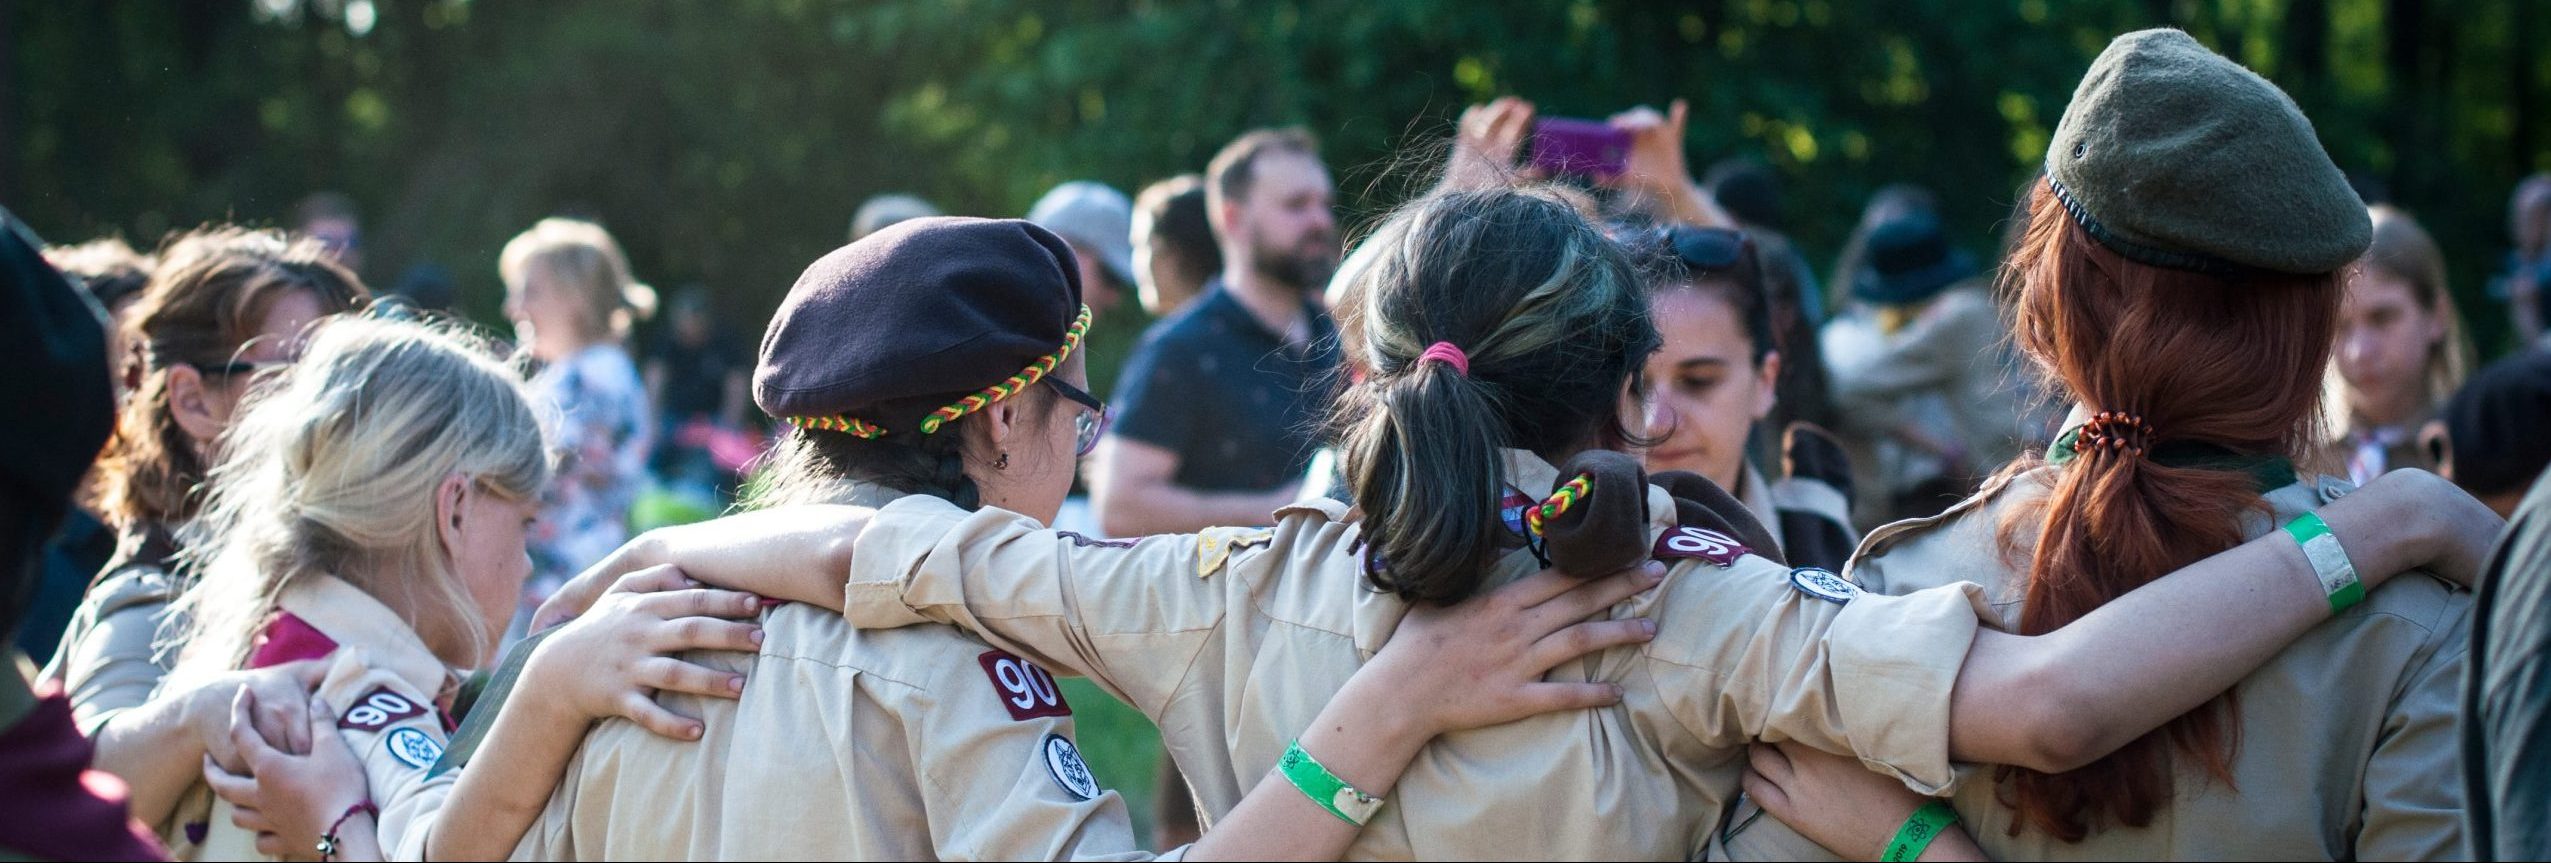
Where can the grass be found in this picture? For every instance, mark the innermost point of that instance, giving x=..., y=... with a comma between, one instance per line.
x=1122, y=748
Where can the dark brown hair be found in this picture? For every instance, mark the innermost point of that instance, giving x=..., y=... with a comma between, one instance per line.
x=2231, y=362
x=204, y=303
x=1554, y=323
x=1235, y=166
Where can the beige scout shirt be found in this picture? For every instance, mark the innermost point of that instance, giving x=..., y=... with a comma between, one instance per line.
x=2347, y=741
x=911, y=744
x=1232, y=641
x=111, y=658
x=385, y=685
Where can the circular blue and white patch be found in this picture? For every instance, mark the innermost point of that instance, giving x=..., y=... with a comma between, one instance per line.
x=412, y=748
x=1064, y=761
x=1823, y=584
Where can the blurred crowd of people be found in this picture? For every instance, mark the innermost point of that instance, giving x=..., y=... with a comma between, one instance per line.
x=327, y=512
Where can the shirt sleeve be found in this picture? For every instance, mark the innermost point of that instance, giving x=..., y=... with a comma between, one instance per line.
x=1148, y=402
x=2413, y=792
x=1754, y=655
x=999, y=788
x=111, y=663
x=397, y=735
x=1131, y=615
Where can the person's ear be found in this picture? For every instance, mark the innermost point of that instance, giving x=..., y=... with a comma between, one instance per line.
x=1767, y=384
x=190, y=402
x=2438, y=445
x=451, y=497
x=1222, y=215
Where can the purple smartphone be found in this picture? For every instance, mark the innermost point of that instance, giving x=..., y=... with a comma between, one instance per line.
x=1584, y=148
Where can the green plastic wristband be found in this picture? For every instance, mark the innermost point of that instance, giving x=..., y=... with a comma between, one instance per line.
x=1918, y=831
x=2329, y=561
x=1324, y=788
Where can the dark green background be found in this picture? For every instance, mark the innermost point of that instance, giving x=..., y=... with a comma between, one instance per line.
x=727, y=142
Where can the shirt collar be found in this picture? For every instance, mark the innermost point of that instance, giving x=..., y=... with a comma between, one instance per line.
x=353, y=618
x=1527, y=472
x=1756, y=493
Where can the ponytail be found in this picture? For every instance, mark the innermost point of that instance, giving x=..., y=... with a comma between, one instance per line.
x=1543, y=324
x=2177, y=363
x=1431, y=468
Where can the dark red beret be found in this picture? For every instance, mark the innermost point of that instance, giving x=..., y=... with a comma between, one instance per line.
x=914, y=317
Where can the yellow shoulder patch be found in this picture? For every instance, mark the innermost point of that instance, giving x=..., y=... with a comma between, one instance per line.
x=1215, y=545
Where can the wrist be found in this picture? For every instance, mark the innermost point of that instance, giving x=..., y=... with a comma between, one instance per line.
x=1374, y=706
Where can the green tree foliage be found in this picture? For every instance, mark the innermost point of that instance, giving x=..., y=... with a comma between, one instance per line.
x=728, y=142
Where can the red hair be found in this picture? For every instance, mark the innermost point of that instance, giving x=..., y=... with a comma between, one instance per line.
x=2234, y=362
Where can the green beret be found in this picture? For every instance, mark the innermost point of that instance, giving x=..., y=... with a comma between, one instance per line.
x=2175, y=157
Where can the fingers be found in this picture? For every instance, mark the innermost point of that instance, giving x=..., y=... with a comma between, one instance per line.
x=236, y=787
x=271, y=845
x=667, y=673
x=1533, y=590
x=1590, y=637
x=223, y=747
x=1767, y=795
x=1584, y=598
x=657, y=720
x=282, y=720
x=1769, y=761
x=1675, y=115
x=704, y=633
x=653, y=579
x=251, y=820
x=700, y=602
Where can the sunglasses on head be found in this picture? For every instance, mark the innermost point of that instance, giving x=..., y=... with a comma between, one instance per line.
x=1088, y=425
x=1705, y=249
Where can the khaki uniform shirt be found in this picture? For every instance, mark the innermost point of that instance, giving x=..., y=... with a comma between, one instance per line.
x=2347, y=742
x=386, y=687
x=1233, y=640
x=910, y=744
x=111, y=659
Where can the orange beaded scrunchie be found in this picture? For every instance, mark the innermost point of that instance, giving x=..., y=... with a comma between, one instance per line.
x=2115, y=431
x=1013, y=385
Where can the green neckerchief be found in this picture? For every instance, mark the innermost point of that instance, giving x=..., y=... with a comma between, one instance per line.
x=2268, y=471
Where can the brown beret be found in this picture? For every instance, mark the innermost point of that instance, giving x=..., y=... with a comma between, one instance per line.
x=881, y=333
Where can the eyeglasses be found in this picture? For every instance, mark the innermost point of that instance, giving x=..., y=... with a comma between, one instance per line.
x=236, y=367
x=1706, y=248
x=1089, y=424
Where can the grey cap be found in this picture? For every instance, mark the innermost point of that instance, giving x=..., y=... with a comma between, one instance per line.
x=1096, y=219
x=879, y=211
x=2175, y=157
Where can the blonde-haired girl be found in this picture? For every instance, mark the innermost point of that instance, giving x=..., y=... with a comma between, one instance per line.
x=373, y=517
x=572, y=300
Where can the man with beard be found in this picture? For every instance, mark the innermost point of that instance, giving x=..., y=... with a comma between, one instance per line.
x=1218, y=407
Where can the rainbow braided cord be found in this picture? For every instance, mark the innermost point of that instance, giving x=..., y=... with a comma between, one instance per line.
x=856, y=427
x=1558, y=502
x=1027, y=377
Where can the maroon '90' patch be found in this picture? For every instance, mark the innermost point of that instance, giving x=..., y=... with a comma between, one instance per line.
x=377, y=709
x=1028, y=691
x=1694, y=542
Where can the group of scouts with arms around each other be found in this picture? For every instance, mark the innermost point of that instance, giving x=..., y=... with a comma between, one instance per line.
x=1507, y=640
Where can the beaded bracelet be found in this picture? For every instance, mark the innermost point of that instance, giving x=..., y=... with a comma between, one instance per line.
x=329, y=844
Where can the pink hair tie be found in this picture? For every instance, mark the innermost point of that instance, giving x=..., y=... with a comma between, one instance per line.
x=1448, y=354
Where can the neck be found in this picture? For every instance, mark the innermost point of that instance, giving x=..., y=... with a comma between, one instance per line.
x=2372, y=410
x=1276, y=305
